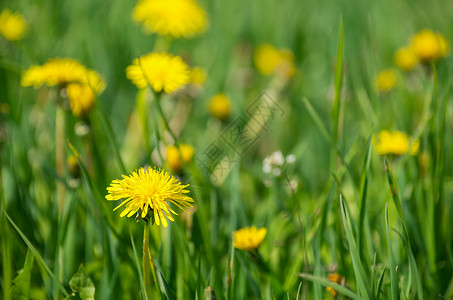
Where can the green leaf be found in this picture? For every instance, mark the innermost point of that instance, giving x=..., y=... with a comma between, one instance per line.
x=359, y=271
x=364, y=188
x=393, y=279
x=327, y=283
x=338, y=81
x=317, y=119
x=37, y=256
x=21, y=287
x=81, y=283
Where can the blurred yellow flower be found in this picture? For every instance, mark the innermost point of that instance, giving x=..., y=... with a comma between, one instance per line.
x=395, y=142
x=174, y=156
x=149, y=191
x=174, y=18
x=386, y=80
x=220, y=107
x=428, y=45
x=81, y=98
x=12, y=25
x=270, y=60
x=405, y=59
x=334, y=277
x=197, y=75
x=162, y=71
x=62, y=71
x=249, y=238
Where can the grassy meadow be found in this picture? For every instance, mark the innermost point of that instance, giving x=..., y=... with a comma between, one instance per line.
x=350, y=211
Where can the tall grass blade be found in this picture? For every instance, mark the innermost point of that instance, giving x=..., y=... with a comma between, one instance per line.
x=392, y=265
x=37, y=256
x=327, y=283
x=359, y=271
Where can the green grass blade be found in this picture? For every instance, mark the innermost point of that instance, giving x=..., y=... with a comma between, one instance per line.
x=317, y=119
x=138, y=267
x=395, y=194
x=108, y=132
x=363, y=190
x=406, y=241
x=359, y=271
x=392, y=266
x=37, y=256
x=380, y=282
x=327, y=283
x=94, y=189
x=338, y=82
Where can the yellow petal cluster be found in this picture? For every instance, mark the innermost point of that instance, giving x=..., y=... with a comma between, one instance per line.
x=149, y=191
x=81, y=83
x=220, y=107
x=62, y=71
x=249, y=238
x=173, y=18
x=270, y=60
x=174, y=156
x=405, y=59
x=429, y=45
x=198, y=76
x=12, y=25
x=162, y=71
x=386, y=80
x=336, y=278
x=396, y=143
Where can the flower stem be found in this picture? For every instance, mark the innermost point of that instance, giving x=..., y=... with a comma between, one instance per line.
x=161, y=112
x=146, y=261
x=59, y=156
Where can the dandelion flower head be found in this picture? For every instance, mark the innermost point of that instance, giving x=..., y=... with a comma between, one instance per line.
x=62, y=71
x=386, y=80
x=12, y=25
x=174, y=18
x=174, y=156
x=396, y=143
x=249, y=238
x=163, y=71
x=336, y=278
x=405, y=59
x=220, y=107
x=428, y=45
x=149, y=191
x=197, y=76
x=270, y=60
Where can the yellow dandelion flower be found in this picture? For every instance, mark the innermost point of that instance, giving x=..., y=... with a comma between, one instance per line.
x=428, y=45
x=405, y=59
x=396, y=143
x=149, y=191
x=162, y=71
x=270, y=60
x=62, y=71
x=174, y=18
x=249, y=238
x=81, y=98
x=197, y=75
x=386, y=80
x=174, y=156
x=220, y=107
x=336, y=278
x=12, y=25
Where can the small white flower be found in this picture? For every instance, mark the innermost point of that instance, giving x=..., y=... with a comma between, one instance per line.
x=290, y=159
x=277, y=158
x=277, y=172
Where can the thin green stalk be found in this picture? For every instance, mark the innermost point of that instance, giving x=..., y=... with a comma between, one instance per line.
x=167, y=125
x=60, y=156
x=146, y=261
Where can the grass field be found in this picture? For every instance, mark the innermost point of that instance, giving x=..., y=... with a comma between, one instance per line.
x=356, y=205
